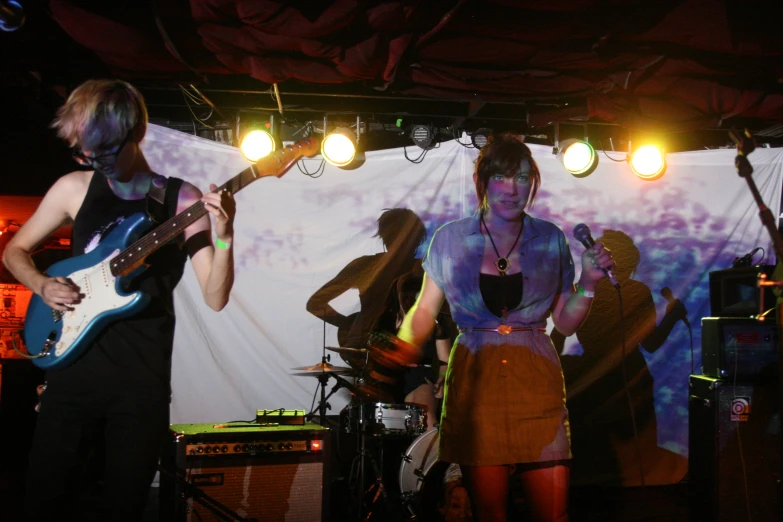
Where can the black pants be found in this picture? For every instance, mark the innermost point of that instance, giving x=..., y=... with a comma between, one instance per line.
x=72, y=420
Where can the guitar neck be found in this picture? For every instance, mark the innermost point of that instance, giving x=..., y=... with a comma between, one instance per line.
x=274, y=165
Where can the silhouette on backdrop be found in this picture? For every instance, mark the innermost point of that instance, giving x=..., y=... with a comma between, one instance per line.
x=601, y=429
x=401, y=232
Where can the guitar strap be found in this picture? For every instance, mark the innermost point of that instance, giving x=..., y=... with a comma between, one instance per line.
x=156, y=199
x=162, y=202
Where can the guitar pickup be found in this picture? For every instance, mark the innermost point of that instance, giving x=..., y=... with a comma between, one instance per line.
x=57, y=316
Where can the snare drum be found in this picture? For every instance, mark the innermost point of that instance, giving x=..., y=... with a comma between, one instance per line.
x=404, y=419
x=386, y=419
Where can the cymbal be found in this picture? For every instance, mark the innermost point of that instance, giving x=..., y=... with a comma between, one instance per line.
x=354, y=352
x=322, y=367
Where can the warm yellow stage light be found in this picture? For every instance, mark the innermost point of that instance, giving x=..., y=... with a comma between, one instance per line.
x=648, y=162
x=339, y=147
x=256, y=145
x=578, y=157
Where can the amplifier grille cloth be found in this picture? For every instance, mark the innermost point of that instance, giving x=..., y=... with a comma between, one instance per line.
x=267, y=492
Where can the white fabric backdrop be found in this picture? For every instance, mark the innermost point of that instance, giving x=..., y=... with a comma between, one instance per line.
x=295, y=233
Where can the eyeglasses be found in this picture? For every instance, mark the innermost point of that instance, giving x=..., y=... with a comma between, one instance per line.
x=103, y=160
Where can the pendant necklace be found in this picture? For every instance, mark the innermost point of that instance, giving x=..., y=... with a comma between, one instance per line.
x=502, y=262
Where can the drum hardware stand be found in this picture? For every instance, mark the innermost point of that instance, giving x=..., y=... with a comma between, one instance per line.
x=363, y=453
x=323, y=405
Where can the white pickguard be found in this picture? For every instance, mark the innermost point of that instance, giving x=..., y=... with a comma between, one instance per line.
x=97, y=284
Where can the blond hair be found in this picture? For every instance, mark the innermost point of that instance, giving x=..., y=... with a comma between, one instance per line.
x=100, y=113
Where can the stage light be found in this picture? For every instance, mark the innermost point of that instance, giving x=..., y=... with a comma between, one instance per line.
x=339, y=147
x=648, y=162
x=257, y=144
x=479, y=137
x=422, y=135
x=578, y=157
x=11, y=15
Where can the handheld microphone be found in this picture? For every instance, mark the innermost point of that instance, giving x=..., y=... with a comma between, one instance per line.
x=582, y=234
x=666, y=293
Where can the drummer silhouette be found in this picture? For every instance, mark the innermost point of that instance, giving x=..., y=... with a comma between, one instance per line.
x=401, y=232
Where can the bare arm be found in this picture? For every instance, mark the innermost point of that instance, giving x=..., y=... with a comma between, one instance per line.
x=571, y=308
x=58, y=207
x=318, y=304
x=214, y=267
x=420, y=319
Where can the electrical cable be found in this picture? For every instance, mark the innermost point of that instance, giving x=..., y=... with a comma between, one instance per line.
x=690, y=335
x=600, y=143
x=16, y=349
x=628, y=391
x=737, y=429
x=454, y=132
x=197, y=101
x=318, y=172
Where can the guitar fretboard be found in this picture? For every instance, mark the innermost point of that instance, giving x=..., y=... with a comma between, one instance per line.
x=276, y=164
x=168, y=230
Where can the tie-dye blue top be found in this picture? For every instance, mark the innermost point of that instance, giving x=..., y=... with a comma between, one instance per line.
x=453, y=262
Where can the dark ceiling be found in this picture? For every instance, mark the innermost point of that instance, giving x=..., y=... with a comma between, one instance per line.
x=684, y=70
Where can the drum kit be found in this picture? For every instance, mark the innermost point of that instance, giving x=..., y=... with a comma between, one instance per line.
x=373, y=417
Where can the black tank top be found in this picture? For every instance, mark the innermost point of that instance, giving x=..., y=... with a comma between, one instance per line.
x=501, y=292
x=134, y=353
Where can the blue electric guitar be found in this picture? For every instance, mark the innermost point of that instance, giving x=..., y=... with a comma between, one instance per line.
x=55, y=339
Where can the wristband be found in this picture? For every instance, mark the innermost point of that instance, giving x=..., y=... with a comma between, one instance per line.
x=443, y=370
x=581, y=290
x=223, y=245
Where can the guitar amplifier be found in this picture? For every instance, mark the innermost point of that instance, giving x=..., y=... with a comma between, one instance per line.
x=739, y=347
x=218, y=472
x=13, y=306
x=734, y=450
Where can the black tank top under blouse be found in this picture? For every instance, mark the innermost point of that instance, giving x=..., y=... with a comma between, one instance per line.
x=501, y=292
x=134, y=352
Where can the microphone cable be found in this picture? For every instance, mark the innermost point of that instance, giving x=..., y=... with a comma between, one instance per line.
x=628, y=390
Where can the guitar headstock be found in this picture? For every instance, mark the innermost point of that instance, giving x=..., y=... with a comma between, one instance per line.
x=277, y=163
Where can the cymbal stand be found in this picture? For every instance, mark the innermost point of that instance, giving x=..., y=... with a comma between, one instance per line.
x=323, y=405
x=323, y=378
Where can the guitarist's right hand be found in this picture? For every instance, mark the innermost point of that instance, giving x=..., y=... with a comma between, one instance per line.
x=59, y=293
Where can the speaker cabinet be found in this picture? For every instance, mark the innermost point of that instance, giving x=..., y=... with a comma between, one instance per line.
x=273, y=473
x=734, y=455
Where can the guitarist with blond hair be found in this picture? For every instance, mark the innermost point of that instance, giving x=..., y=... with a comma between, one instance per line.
x=118, y=388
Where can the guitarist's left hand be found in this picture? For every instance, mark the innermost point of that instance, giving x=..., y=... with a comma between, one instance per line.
x=223, y=207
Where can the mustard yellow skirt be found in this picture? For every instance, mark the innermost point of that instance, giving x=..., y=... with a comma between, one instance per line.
x=504, y=402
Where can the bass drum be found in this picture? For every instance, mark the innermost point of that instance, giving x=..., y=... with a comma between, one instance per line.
x=421, y=476
x=417, y=460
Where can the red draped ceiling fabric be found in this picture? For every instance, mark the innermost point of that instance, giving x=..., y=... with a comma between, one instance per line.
x=676, y=64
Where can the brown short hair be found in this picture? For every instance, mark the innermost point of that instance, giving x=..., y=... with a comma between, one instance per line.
x=503, y=154
x=100, y=113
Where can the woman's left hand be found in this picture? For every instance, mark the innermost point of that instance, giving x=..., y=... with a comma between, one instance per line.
x=594, y=260
x=223, y=207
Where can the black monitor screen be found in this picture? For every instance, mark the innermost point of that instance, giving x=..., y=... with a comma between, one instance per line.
x=734, y=292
